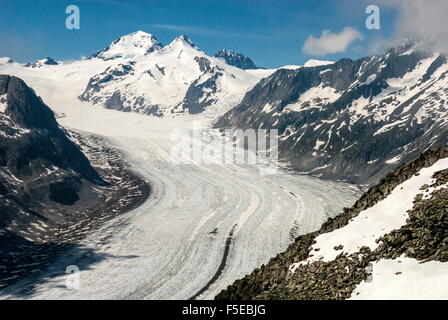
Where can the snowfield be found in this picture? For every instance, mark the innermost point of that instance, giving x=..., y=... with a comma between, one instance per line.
x=405, y=278
x=197, y=217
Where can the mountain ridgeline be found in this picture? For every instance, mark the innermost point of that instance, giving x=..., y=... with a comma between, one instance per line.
x=352, y=120
x=144, y=76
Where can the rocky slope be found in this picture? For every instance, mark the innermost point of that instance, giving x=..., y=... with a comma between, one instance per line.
x=49, y=191
x=153, y=79
x=352, y=120
x=389, y=245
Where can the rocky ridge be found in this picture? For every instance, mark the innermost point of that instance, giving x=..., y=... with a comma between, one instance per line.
x=352, y=120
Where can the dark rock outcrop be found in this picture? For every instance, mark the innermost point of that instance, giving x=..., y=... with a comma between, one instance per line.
x=200, y=94
x=236, y=59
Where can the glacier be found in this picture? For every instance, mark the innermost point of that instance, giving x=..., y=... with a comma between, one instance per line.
x=172, y=246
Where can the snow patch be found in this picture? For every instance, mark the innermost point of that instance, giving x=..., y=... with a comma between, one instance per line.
x=3, y=103
x=393, y=160
x=314, y=97
x=405, y=278
x=319, y=143
x=317, y=63
x=267, y=108
x=291, y=67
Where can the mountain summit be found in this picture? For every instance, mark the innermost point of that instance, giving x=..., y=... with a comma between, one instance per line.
x=184, y=40
x=176, y=78
x=236, y=59
x=135, y=44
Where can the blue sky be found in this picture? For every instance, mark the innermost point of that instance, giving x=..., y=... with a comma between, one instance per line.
x=271, y=32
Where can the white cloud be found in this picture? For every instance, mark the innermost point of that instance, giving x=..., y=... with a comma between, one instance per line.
x=425, y=20
x=329, y=42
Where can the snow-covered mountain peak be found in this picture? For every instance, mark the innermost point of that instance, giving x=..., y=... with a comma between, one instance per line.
x=182, y=42
x=178, y=78
x=412, y=45
x=132, y=45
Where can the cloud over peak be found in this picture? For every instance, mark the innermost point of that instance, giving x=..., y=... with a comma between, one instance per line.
x=423, y=19
x=329, y=42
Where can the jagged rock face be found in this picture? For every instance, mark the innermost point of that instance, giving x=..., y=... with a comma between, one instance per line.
x=24, y=107
x=236, y=59
x=177, y=78
x=352, y=120
x=200, y=95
